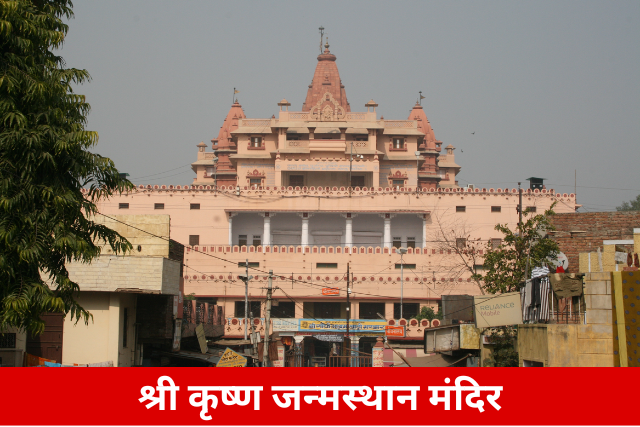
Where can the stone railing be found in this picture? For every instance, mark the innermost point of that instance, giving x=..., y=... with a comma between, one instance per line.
x=255, y=123
x=297, y=143
x=356, y=117
x=340, y=191
x=298, y=116
x=400, y=124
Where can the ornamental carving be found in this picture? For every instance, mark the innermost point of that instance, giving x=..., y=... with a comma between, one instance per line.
x=327, y=109
x=398, y=175
x=255, y=174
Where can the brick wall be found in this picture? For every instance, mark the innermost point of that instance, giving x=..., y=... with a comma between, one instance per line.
x=599, y=226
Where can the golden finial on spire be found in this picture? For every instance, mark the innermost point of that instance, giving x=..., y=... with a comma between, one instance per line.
x=326, y=45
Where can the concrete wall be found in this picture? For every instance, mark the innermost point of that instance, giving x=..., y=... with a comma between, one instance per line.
x=14, y=356
x=110, y=273
x=598, y=226
x=102, y=339
x=155, y=223
x=585, y=345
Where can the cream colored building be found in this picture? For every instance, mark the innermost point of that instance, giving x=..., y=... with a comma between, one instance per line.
x=112, y=288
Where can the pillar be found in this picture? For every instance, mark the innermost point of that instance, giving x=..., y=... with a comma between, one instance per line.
x=378, y=354
x=388, y=310
x=348, y=236
x=387, y=231
x=424, y=230
x=305, y=230
x=355, y=347
x=230, y=229
x=376, y=172
x=299, y=311
x=278, y=172
x=279, y=363
x=266, y=234
x=114, y=338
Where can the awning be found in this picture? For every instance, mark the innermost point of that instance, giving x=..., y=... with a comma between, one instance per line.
x=184, y=354
x=358, y=131
x=433, y=361
x=297, y=130
x=327, y=130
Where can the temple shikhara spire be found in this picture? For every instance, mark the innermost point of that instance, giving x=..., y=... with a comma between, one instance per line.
x=391, y=153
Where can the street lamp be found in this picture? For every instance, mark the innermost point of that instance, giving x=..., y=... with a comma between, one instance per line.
x=402, y=251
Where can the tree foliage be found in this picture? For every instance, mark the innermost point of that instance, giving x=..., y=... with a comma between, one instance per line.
x=503, y=352
x=527, y=245
x=429, y=314
x=45, y=217
x=631, y=205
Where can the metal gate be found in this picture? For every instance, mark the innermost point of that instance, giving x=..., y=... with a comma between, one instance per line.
x=360, y=360
x=294, y=358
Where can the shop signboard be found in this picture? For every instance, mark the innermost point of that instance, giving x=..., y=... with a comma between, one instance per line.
x=231, y=359
x=498, y=310
x=285, y=325
x=329, y=325
x=394, y=331
x=330, y=291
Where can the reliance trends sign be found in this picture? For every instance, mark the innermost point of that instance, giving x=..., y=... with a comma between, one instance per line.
x=498, y=310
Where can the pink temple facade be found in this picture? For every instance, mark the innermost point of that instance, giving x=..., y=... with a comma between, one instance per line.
x=310, y=191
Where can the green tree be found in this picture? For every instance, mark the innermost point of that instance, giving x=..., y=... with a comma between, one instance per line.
x=525, y=246
x=503, y=352
x=632, y=205
x=429, y=314
x=46, y=219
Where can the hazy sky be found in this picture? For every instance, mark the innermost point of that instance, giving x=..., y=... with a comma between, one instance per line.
x=548, y=87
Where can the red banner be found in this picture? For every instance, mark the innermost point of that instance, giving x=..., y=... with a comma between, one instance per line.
x=330, y=291
x=394, y=331
x=308, y=396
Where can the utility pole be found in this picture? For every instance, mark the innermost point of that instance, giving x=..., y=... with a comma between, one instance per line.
x=520, y=208
x=267, y=326
x=402, y=252
x=348, y=305
x=246, y=296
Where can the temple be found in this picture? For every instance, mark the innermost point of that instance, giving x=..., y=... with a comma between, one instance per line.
x=326, y=145
x=314, y=193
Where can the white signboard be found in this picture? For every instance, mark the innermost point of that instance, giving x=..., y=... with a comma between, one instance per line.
x=497, y=310
x=284, y=325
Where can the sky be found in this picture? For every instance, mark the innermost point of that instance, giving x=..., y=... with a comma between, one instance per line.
x=547, y=88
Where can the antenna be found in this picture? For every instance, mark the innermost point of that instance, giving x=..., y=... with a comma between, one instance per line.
x=321, y=36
